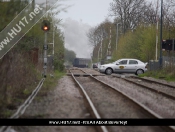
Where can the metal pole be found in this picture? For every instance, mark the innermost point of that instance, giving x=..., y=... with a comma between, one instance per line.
x=98, y=55
x=157, y=28
x=173, y=49
x=157, y=36
x=109, y=45
x=45, y=55
x=53, y=46
x=169, y=32
x=53, y=39
x=117, y=34
x=33, y=6
x=173, y=52
x=46, y=5
x=101, y=47
x=161, y=22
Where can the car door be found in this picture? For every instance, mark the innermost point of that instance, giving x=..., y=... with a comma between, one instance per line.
x=121, y=66
x=132, y=66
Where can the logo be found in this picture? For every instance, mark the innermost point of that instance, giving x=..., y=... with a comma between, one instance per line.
x=121, y=67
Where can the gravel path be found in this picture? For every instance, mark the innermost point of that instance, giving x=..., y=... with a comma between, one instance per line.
x=64, y=102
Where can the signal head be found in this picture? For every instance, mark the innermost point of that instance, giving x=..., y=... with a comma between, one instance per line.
x=45, y=25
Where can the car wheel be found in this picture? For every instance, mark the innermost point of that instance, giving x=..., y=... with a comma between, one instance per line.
x=139, y=71
x=108, y=71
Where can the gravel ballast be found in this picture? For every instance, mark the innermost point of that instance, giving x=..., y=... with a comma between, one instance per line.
x=156, y=102
x=66, y=101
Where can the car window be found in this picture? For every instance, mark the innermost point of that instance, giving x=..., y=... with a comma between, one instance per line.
x=123, y=62
x=131, y=62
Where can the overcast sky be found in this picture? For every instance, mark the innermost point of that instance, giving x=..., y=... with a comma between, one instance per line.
x=80, y=17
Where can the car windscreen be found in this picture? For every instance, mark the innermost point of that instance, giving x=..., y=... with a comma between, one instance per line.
x=115, y=62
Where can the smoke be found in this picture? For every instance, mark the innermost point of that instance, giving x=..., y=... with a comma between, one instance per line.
x=76, y=39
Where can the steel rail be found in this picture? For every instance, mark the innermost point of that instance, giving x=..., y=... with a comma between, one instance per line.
x=23, y=107
x=168, y=85
x=146, y=87
x=83, y=71
x=152, y=113
x=149, y=111
x=151, y=89
x=94, y=112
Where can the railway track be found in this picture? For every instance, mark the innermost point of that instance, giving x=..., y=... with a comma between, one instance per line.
x=160, y=95
x=154, y=82
x=161, y=88
x=164, y=89
x=23, y=107
x=80, y=72
x=101, y=96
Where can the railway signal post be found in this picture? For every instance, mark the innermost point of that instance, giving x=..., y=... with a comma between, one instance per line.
x=45, y=27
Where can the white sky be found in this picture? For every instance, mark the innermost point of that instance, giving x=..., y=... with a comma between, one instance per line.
x=79, y=18
x=92, y=12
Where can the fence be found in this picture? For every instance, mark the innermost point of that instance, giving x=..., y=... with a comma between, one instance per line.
x=166, y=62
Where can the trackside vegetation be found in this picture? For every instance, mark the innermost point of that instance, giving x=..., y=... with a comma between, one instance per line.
x=22, y=67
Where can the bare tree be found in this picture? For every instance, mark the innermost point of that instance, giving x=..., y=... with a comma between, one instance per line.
x=131, y=13
x=97, y=33
x=128, y=12
x=169, y=13
x=94, y=37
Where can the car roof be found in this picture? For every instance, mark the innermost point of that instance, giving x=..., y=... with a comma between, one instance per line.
x=128, y=59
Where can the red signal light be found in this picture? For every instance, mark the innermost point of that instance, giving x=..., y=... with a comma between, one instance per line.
x=45, y=28
x=45, y=25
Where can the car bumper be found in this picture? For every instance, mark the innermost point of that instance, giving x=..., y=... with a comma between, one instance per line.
x=102, y=70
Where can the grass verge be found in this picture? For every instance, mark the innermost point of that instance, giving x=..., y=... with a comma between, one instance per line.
x=164, y=74
x=50, y=83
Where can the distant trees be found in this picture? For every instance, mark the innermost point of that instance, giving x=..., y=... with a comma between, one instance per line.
x=131, y=13
x=137, y=29
x=169, y=13
x=9, y=10
x=99, y=36
x=140, y=44
x=127, y=12
x=69, y=56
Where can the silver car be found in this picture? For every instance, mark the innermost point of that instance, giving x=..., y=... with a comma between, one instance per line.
x=124, y=66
